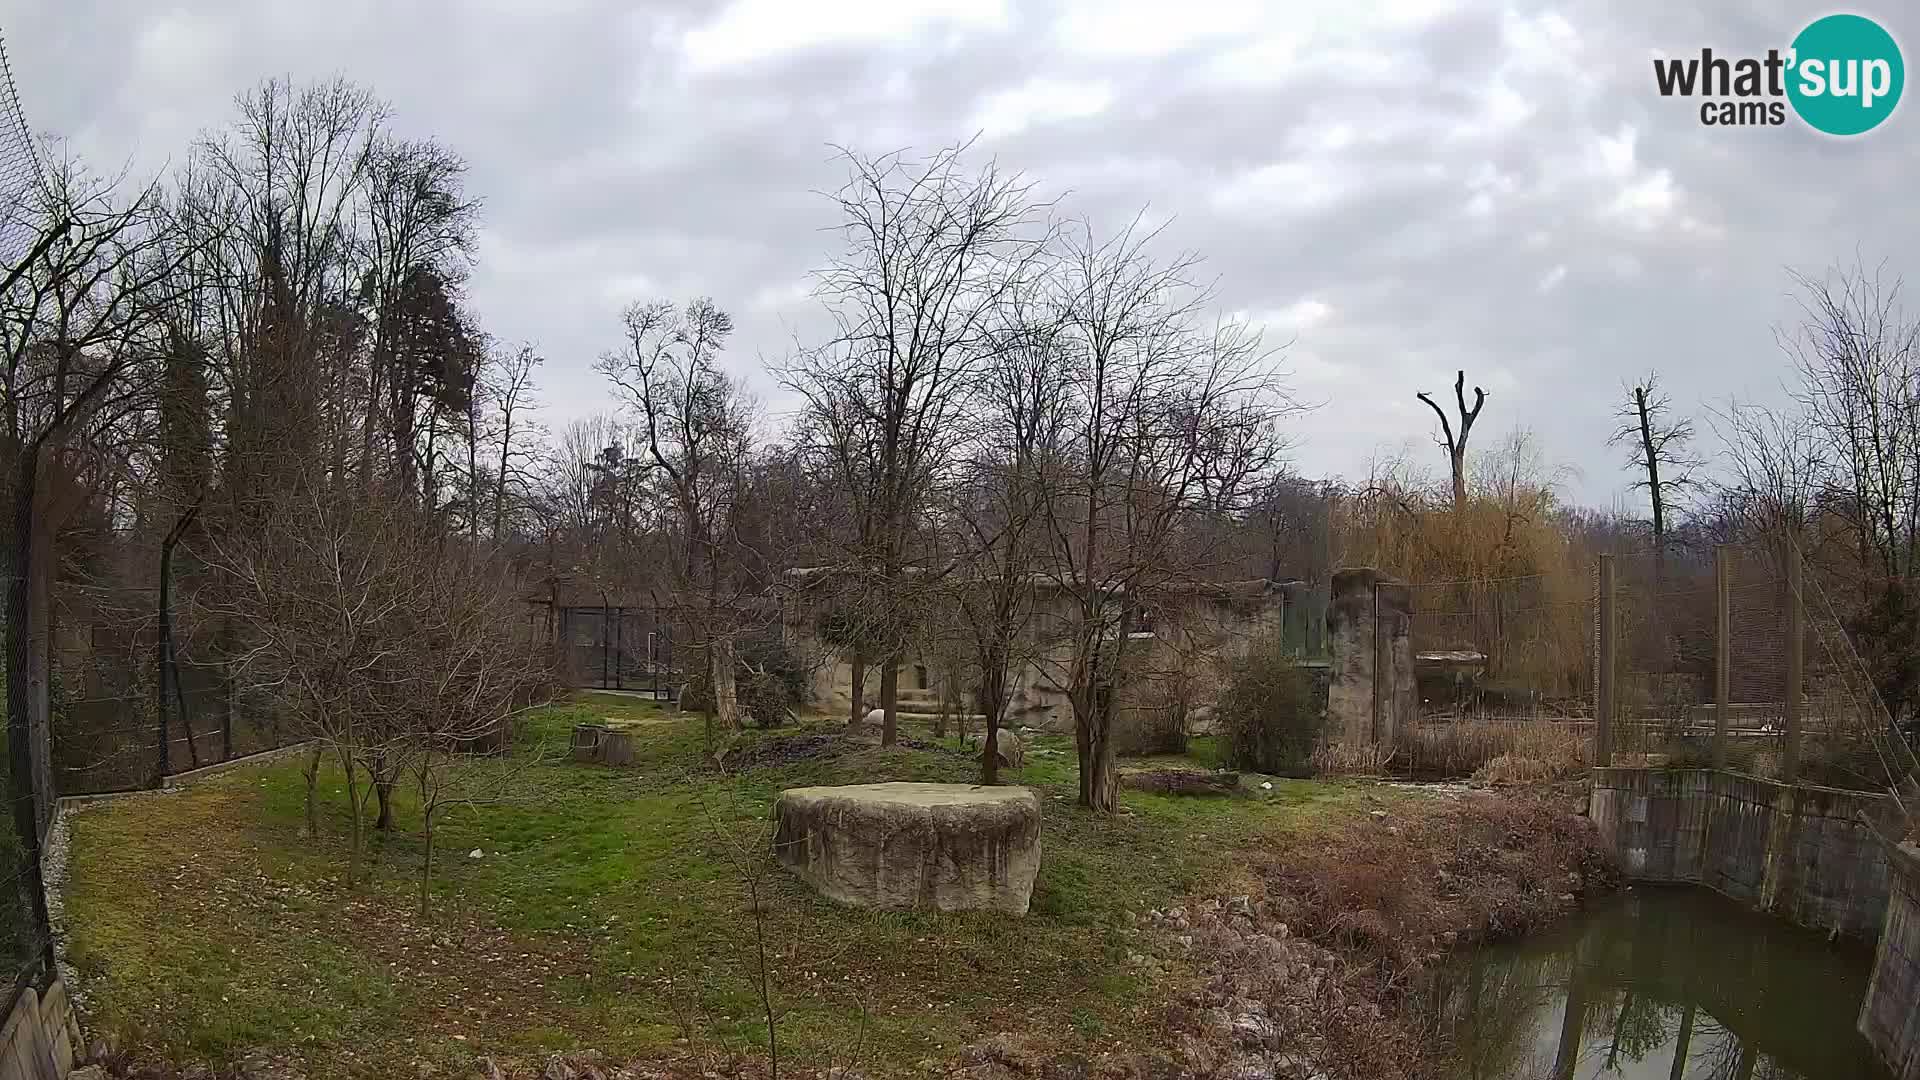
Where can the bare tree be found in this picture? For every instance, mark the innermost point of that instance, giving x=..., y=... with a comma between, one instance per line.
x=1660, y=449
x=1456, y=444
x=282, y=183
x=510, y=389
x=1776, y=468
x=696, y=425
x=998, y=503
x=415, y=243
x=930, y=250
x=1857, y=352
x=374, y=635
x=1168, y=421
x=78, y=330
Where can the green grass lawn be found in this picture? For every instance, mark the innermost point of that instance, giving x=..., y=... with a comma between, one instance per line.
x=609, y=909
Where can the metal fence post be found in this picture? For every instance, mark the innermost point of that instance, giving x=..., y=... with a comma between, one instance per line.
x=1796, y=662
x=1603, y=690
x=1379, y=661
x=1722, y=649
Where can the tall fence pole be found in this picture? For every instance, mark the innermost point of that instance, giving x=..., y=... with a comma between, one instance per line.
x=1603, y=689
x=1722, y=649
x=1796, y=662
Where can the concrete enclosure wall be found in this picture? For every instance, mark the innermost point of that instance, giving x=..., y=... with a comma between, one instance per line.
x=1802, y=853
x=1369, y=632
x=1890, y=1013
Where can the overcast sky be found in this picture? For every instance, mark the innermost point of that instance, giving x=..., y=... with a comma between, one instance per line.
x=1399, y=189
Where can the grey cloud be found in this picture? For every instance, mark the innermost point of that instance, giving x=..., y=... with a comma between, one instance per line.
x=1439, y=187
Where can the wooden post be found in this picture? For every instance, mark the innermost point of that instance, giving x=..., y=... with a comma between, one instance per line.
x=1603, y=691
x=1796, y=661
x=1722, y=649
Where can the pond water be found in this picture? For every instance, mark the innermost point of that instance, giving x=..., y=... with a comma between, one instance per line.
x=1660, y=984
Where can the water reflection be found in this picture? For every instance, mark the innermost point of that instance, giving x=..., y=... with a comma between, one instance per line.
x=1662, y=984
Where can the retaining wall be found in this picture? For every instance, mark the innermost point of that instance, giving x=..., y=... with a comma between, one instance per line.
x=1803, y=853
x=40, y=1035
x=1890, y=1013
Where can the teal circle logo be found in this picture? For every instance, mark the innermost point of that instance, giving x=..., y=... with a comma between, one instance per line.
x=1846, y=74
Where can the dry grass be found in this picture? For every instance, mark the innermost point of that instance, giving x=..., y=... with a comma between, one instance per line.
x=1494, y=751
x=1341, y=759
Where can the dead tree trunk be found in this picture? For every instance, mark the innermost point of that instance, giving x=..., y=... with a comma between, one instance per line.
x=1456, y=445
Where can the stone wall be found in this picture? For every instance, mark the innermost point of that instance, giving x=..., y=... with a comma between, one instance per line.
x=1369, y=632
x=40, y=1035
x=1800, y=852
x=1890, y=1013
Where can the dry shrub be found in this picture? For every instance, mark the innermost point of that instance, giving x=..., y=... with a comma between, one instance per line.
x=1463, y=748
x=1512, y=769
x=1318, y=970
x=1475, y=867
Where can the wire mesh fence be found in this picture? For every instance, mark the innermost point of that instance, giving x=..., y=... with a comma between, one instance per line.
x=19, y=170
x=1735, y=657
x=1501, y=666
x=112, y=730
x=25, y=932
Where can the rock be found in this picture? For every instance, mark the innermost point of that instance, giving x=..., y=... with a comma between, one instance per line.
x=950, y=847
x=1378, y=815
x=475, y=853
x=1011, y=751
x=1250, y=1028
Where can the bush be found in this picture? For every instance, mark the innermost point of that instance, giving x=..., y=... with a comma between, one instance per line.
x=1268, y=715
x=771, y=681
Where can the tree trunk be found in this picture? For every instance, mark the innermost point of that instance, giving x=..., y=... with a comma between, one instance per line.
x=312, y=774
x=426, y=861
x=890, y=702
x=167, y=663
x=353, y=817
x=1457, y=458
x=992, y=698
x=39, y=621
x=1103, y=782
x=721, y=675
x=857, y=672
x=383, y=793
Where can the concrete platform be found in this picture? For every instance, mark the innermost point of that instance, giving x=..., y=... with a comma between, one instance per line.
x=945, y=847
